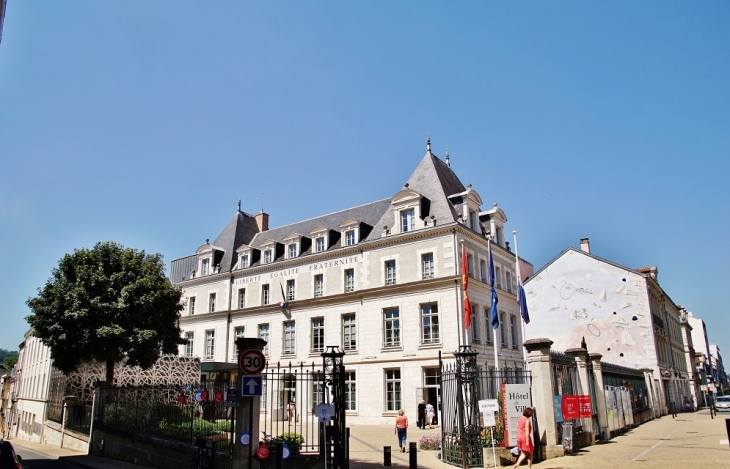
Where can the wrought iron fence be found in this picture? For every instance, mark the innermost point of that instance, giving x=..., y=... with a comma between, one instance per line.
x=566, y=382
x=78, y=418
x=289, y=399
x=178, y=412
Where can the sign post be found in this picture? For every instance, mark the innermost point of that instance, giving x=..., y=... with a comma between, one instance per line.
x=252, y=362
x=488, y=407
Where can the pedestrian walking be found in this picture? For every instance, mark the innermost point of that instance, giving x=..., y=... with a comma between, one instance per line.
x=401, y=426
x=524, y=438
x=422, y=415
x=430, y=414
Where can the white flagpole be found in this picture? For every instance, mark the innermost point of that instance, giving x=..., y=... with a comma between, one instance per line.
x=494, y=331
x=519, y=282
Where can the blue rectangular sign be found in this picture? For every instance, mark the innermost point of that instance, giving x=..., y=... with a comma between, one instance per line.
x=251, y=386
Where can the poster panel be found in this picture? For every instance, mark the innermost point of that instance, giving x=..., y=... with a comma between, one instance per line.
x=515, y=397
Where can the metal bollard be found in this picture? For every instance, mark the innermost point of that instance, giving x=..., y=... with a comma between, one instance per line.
x=413, y=455
x=213, y=453
x=386, y=455
x=727, y=429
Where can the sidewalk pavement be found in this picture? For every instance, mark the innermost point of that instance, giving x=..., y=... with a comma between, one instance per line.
x=692, y=440
x=73, y=457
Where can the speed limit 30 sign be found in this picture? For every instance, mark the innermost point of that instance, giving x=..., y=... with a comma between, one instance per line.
x=252, y=362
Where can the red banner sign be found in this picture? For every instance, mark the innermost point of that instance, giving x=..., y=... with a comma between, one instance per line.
x=569, y=406
x=219, y=396
x=584, y=406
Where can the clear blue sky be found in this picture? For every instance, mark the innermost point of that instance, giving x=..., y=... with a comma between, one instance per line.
x=145, y=122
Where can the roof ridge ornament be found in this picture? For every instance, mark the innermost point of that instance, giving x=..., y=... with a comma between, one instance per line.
x=239, y=205
x=428, y=144
x=448, y=161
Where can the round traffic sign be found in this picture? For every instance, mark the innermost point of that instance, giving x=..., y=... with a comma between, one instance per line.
x=252, y=362
x=263, y=451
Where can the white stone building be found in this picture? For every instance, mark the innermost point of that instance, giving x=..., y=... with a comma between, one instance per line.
x=622, y=313
x=381, y=281
x=29, y=391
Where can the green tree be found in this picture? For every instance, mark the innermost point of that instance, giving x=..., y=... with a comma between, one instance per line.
x=105, y=304
x=10, y=361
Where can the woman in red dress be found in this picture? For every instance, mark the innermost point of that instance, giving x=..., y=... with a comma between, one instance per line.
x=524, y=438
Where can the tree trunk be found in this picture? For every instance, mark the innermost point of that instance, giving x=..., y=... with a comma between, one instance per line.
x=110, y=372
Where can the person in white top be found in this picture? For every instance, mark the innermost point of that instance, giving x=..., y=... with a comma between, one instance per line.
x=430, y=415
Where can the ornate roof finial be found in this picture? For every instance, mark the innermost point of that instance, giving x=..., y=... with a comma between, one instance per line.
x=428, y=144
x=448, y=161
x=239, y=205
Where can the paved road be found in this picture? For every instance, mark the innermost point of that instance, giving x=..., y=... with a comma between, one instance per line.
x=36, y=460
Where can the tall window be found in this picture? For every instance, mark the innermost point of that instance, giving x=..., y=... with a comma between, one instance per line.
x=211, y=303
x=391, y=327
x=319, y=245
x=264, y=335
x=430, y=324
x=503, y=329
x=488, y=325
x=290, y=290
x=427, y=265
x=350, y=391
x=191, y=305
x=265, y=294
x=470, y=264
x=238, y=332
x=317, y=334
x=189, y=336
x=390, y=272
x=508, y=281
x=498, y=279
x=244, y=262
x=205, y=270
x=317, y=389
x=268, y=256
x=292, y=251
x=241, y=297
x=289, y=337
x=407, y=220
x=513, y=330
x=349, y=332
x=209, y=344
x=483, y=270
x=392, y=390
x=318, y=285
x=349, y=280
x=350, y=238
x=474, y=325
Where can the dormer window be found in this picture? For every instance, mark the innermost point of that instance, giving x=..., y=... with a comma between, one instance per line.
x=408, y=220
x=244, y=261
x=205, y=267
x=319, y=244
x=268, y=256
x=292, y=251
x=350, y=238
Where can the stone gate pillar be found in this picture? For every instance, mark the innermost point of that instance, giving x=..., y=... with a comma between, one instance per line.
x=247, y=415
x=595, y=359
x=581, y=361
x=540, y=365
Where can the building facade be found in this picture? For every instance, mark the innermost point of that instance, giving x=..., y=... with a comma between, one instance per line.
x=29, y=390
x=619, y=312
x=381, y=281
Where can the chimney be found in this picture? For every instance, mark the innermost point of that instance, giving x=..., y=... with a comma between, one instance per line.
x=262, y=221
x=585, y=245
x=654, y=272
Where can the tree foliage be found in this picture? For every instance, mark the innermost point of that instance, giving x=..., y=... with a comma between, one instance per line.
x=105, y=304
x=8, y=358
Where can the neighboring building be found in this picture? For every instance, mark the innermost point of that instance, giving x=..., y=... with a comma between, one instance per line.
x=3, y=7
x=5, y=382
x=691, y=358
x=718, y=370
x=381, y=281
x=622, y=313
x=30, y=392
x=703, y=359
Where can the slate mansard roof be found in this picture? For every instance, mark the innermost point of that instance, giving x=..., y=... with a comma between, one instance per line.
x=433, y=179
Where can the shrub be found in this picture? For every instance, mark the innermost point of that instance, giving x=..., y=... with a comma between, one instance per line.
x=430, y=442
x=292, y=440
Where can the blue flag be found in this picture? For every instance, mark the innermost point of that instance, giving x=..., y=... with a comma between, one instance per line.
x=495, y=300
x=523, y=303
